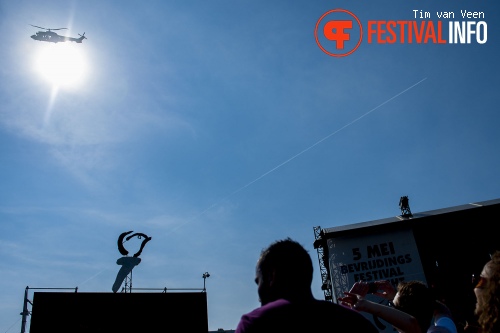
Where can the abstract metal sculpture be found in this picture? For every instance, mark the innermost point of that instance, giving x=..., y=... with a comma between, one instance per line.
x=128, y=263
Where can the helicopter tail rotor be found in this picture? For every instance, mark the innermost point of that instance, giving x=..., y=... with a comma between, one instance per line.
x=79, y=40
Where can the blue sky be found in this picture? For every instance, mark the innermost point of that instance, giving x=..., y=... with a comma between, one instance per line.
x=217, y=127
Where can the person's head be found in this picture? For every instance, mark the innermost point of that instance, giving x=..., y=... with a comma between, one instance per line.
x=284, y=270
x=416, y=299
x=487, y=290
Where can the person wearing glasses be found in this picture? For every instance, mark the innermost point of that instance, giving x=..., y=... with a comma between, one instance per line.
x=487, y=291
x=412, y=307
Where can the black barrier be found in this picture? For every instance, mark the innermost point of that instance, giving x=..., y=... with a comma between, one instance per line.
x=119, y=312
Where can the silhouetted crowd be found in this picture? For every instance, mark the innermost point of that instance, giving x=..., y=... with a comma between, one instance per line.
x=284, y=275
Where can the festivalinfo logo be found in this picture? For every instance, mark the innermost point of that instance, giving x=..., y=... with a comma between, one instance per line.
x=339, y=32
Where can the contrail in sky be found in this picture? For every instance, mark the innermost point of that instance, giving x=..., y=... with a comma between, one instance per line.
x=90, y=278
x=302, y=152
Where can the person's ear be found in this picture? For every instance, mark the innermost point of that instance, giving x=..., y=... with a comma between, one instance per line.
x=273, y=277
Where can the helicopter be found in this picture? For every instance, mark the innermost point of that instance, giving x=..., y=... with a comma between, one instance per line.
x=52, y=37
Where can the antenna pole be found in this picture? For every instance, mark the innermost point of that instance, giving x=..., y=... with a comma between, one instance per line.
x=205, y=276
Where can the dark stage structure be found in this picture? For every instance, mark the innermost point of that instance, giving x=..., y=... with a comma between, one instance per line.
x=119, y=312
x=143, y=310
x=442, y=247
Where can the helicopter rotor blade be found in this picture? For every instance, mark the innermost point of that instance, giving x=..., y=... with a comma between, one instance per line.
x=38, y=27
x=48, y=28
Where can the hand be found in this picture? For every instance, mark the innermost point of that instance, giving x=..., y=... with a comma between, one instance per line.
x=360, y=288
x=349, y=299
x=354, y=301
x=385, y=290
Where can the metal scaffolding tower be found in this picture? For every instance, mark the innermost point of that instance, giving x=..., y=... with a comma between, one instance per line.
x=340, y=281
x=127, y=288
x=335, y=285
x=404, y=205
x=320, y=246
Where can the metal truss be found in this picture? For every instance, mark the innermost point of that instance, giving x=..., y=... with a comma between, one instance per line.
x=322, y=250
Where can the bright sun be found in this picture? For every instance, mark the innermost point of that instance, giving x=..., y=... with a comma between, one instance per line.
x=62, y=64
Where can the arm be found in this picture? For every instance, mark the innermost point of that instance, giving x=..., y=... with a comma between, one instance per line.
x=399, y=319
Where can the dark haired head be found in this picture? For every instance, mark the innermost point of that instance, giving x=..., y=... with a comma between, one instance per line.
x=284, y=270
x=416, y=299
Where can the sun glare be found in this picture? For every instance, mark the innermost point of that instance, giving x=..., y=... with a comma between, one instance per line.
x=62, y=64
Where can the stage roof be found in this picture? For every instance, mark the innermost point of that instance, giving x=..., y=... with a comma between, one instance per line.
x=396, y=220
